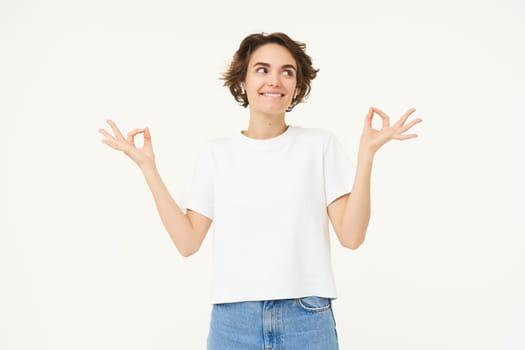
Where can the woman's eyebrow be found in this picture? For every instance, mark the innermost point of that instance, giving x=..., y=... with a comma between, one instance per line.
x=264, y=64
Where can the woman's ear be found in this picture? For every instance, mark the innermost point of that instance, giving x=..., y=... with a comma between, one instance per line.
x=242, y=87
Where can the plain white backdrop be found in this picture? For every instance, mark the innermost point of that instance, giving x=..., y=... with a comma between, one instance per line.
x=84, y=260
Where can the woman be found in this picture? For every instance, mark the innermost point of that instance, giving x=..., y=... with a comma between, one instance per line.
x=270, y=191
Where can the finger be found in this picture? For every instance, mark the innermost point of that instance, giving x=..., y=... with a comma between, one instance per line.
x=117, y=132
x=405, y=137
x=147, y=137
x=384, y=116
x=110, y=143
x=133, y=133
x=107, y=134
x=110, y=140
x=368, y=118
x=405, y=116
x=410, y=125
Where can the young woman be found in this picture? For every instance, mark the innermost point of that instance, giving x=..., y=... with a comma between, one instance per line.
x=270, y=191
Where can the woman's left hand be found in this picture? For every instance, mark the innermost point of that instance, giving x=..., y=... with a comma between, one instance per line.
x=372, y=139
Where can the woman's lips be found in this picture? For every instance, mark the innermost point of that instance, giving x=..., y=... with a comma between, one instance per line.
x=272, y=94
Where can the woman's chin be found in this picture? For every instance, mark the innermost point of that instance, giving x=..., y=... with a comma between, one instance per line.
x=270, y=108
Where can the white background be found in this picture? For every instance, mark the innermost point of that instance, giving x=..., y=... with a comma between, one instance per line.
x=84, y=260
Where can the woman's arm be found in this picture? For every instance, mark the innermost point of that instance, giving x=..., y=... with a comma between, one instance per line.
x=187, y=231
x=350, y=214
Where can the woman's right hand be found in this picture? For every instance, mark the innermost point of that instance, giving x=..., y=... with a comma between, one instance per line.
x=143, y=156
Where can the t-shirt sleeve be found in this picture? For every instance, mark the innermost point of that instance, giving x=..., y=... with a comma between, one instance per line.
x=199, y=193
x=339, y=170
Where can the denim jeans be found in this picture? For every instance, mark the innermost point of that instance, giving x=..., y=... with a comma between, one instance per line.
x=293, y=324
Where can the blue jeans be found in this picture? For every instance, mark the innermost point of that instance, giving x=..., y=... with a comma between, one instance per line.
x=293, y=324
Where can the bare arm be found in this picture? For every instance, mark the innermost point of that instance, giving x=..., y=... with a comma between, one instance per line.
x=187, y=230
x=350, y=214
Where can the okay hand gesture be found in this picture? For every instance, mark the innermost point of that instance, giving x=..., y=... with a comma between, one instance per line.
x=372, y=139
x=142, y=156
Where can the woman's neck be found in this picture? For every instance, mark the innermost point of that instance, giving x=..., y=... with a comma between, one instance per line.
x=264, y=126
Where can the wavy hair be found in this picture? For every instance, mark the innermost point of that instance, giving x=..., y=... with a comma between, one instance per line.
x=236, y=72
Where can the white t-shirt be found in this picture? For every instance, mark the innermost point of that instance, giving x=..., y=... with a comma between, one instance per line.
x=267, y=199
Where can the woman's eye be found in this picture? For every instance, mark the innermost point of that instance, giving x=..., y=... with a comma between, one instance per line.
x=288, y=73
x=261, y=70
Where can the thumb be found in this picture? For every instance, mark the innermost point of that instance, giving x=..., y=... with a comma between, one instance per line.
x=368, y=119
x=147, y=136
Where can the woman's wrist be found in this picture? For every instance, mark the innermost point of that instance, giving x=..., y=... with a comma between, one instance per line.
x=148, y=168
x=365, y=155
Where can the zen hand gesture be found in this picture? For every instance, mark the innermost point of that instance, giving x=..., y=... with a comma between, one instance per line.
x=142, y=156
x=372, y=139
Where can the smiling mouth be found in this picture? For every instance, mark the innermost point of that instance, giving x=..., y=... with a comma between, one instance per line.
x=272, y=95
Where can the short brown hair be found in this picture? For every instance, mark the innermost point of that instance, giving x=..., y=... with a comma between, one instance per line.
x=236, y=73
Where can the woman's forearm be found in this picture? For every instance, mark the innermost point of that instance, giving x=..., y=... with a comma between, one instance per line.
x=175, y=221
x=357, y=211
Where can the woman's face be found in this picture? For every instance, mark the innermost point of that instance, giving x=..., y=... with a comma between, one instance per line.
x=270, y=79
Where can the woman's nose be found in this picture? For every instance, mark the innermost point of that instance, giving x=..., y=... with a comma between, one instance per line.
x=274, y=80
